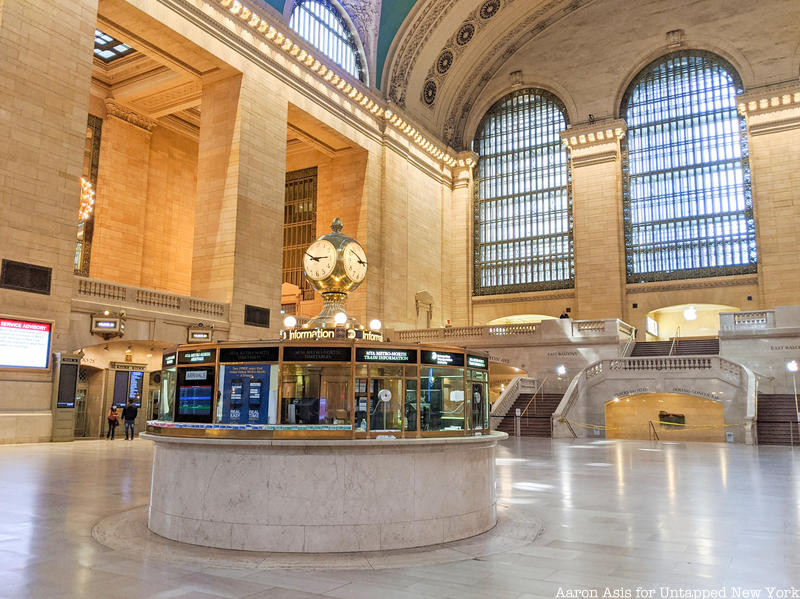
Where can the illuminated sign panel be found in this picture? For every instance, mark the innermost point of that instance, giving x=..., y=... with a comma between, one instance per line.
x=317, y=354
x=478, y=362
x=199, y=335
x=201, y=356
x=168, y=360
x=402, y=356
x=248, y=354
x=24, y=343
x=440, y=358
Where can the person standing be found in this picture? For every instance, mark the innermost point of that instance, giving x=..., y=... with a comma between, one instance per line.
x=129, y=414
x=113, y=421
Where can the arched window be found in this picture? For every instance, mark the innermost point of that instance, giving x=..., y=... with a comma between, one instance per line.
x=687, y=203
x=523, y=203
x=320, y=23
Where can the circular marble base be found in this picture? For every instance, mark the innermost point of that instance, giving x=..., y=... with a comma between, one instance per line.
x=315, y=496
x=127, y=533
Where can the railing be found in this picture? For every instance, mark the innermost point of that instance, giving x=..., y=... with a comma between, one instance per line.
x=539, y=388
x=660, y=363
x=533, y=331
x=674, y=345
x=509, y=395
x=135, y=297
x=626, y=351
x=651, y=429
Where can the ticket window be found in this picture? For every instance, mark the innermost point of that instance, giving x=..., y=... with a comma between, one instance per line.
x=478, y=399
x=314, y=394
x=442, y=405
x=385, y=398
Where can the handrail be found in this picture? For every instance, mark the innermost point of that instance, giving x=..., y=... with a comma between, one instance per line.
x=675, y=340
x=535, y=391
x=631, y=339
x=509, y=393
x=652, y=427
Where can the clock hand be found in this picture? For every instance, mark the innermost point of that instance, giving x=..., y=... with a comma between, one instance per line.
x=360, y=261
x=314, y=258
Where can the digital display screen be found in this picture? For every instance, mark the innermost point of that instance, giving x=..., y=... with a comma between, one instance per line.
x=317, y=354
x=236, y=392
x=248, y=354
x=67, y=380
x=478, y=362
x=135, y=388
x=442, y=358
x=402, y=356
x=106, y=324
x=168, y=360
x=24, y=343
x=195, y=400
x=200, y=356
x=255, y=392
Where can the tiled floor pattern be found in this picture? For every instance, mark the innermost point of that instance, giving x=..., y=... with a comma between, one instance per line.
x=617, y=514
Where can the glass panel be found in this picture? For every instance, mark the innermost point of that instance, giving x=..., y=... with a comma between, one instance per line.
x=313, y=394
x=169, y=378
x=523, y=201
x=386, y=371
x=385, y=403
x=319, y=22
x=107, y=48
x=411, y=405
x=362, y=402
x=442, y=399
x=480, y=406
x=687, y=200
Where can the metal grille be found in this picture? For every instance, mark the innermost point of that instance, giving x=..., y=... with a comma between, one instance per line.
x=320, y=23
x=91, y=163
x=299, y=225
x=523, y=200
x=687, y=200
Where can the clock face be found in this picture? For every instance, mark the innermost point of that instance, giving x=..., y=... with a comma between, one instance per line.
x=319, y=259
x=355, y=262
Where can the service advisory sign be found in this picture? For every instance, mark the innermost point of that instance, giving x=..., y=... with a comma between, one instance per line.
x=24, y=343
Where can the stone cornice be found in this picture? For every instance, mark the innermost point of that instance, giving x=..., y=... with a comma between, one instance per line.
x=704, y=283
x=594, y=134
x=770, y=99
x=113, y=108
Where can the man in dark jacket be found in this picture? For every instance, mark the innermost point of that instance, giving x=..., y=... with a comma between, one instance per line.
x=129, y=413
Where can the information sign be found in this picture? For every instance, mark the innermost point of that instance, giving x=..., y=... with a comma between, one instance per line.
x=442, y=358
x=248, y=354
x=401, y=356
x=24, y=343
x=200, y=356
x=478, y=362
x=317, y=354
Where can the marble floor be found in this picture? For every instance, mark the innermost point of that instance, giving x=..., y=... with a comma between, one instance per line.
x=633, y=520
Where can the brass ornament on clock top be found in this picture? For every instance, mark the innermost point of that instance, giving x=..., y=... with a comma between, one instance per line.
x=335, y=264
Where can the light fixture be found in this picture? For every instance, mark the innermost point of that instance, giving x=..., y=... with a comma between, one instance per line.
x=792, y=366
x=340, y=318
x=290, y=322
x=129, y=350
x=106, y=312
x=375, y=324
x=616, y=398
x=149, y=355
x=561, y=370
x=690, y=313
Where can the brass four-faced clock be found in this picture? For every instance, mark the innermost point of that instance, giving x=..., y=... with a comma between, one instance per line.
x=335, y=264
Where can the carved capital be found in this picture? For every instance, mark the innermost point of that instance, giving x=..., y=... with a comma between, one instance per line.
x=462, y=172
x=113, y=108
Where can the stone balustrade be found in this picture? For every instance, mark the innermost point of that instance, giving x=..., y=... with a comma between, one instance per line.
x=128, y=297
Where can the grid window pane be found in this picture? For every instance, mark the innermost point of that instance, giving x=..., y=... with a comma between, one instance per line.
x=523, y=201
x=299, y=226
x=320, y=23
x=687, y=199
x=107, y=48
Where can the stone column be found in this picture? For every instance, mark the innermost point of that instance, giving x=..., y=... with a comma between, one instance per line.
x=121, y=203
x=458, y=246
x=45, y=70
x=773, y=126
x=238, y=238
x=597, y=219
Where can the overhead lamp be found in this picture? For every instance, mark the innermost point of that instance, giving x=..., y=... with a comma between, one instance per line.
x=129, y=350
x=561, y=370
x=290, y=322
x=340, y=318
x=792, y=366
x=375, y=324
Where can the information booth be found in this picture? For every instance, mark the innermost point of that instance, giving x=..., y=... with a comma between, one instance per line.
x=323, y=389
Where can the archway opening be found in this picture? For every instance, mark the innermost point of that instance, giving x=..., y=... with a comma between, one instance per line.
x=665, y=416
x=685, y=321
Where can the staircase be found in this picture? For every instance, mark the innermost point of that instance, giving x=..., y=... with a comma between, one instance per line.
x=776, y=421
x=683, y=347
x=536, y=421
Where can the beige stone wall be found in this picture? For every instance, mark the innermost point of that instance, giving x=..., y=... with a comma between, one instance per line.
x=45, y=64
x=169, y=218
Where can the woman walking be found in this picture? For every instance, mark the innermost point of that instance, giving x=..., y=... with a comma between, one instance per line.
x=113, y=421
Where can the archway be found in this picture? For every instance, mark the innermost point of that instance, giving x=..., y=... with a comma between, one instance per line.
x=685, y=320
x=665, y=416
